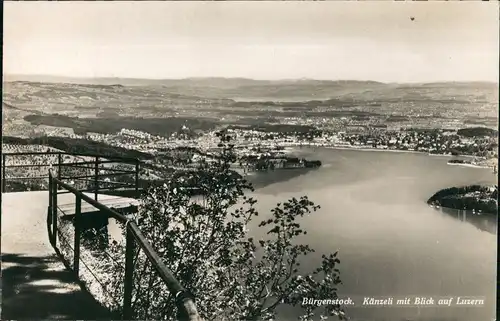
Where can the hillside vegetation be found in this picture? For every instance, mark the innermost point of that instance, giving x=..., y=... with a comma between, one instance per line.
x=473, y=197
x=477, y=132
x=82, y=146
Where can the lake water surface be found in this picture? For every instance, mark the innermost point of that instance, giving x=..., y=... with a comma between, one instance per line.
x=390, y=242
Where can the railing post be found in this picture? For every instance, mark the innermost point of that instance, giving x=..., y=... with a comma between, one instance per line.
x=136, y=177
x=96, y=177
x=4, y=184
x=54, y=213
x=129, y=274
x=50, y=191
x=76, y=253
x=59, y=164
x=49, y=210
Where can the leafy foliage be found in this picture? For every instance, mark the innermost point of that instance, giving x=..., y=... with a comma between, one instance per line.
x=477, y=131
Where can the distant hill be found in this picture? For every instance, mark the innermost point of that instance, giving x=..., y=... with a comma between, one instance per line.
x=244, y=89
x=9, y=107
x=234, y=99
x=476, y=84
x=228, y=88
x=218, y=82
x=477, y=132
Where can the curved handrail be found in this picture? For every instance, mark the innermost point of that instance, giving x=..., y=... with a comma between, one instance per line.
x=93, y=165
x=96, y=204
x=184, y=300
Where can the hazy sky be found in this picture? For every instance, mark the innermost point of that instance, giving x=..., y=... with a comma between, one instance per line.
x=264, y=40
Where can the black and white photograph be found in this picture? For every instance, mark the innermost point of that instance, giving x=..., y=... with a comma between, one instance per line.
x=249, y=160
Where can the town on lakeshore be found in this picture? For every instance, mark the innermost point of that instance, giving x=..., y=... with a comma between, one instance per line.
x=259, y=147
x=262, y=145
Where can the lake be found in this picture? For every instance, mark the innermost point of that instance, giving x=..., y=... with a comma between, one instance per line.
x=390, y=243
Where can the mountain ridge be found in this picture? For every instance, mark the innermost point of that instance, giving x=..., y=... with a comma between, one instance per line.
x=205, y=81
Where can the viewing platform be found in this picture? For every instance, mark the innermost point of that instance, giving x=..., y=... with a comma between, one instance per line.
x=58, y=211
x=35, y=282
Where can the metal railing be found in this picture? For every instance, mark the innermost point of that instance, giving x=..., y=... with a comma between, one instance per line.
x=89, y=172
x=135, y=241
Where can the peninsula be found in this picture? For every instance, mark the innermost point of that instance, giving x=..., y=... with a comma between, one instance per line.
x=478, y=198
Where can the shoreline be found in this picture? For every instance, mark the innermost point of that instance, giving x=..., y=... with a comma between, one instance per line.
x=367, y=149
x=461, y=210
x=291, y=148
x=474, y=198
x=468, y=165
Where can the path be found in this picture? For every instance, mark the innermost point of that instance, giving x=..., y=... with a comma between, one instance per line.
x=35, y=283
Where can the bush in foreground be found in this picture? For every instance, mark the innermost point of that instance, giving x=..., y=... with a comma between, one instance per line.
x=205, y=241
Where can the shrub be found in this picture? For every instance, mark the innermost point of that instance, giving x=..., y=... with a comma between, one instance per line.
x=205, y=241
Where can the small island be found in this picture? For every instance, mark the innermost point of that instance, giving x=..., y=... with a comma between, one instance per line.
x=266, y=163
x=476, y=198
x=459, y=161
x=466, y=162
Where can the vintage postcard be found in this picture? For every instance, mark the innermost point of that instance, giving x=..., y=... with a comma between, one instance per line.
x=250, y=160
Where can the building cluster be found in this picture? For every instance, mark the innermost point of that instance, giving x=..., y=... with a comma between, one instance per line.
x=445, y=142
x=431, y=141
x=255, y=143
